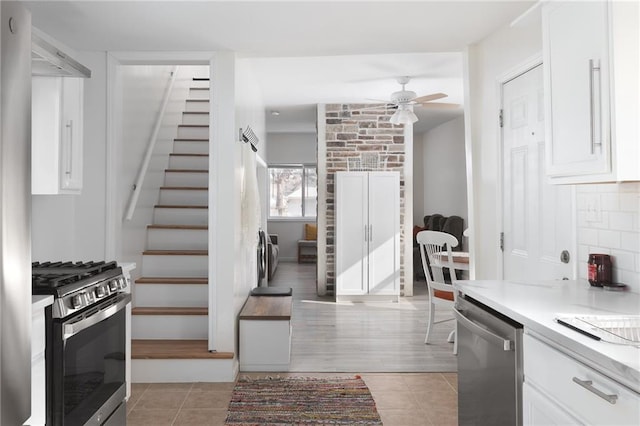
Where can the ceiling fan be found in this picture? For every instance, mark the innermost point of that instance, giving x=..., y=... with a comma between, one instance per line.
x=404, y=101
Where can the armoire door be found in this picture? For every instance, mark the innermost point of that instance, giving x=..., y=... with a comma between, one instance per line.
x=352, y=230
x=384, y=233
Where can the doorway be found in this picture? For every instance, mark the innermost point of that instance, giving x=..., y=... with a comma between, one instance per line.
x=538, y=221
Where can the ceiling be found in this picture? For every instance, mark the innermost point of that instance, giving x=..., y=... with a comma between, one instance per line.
x=303, y=52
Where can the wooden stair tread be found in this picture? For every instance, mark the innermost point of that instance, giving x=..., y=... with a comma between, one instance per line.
x=172, y=280
x=174, y=349
x=179, y=206
x=199, y=88
x=188, y=188
x=200, y=78
x=169, y=310
x=198, y=227
x=189, y=155
x=197, y=100
x=191, y=140
x=193, y=125
x=195, y=112
x=176, y=252
x=186, y=171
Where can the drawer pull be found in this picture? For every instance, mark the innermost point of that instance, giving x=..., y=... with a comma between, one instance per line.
x=588, y=385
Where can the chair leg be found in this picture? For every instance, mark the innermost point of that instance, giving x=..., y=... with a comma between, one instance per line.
x=431, y=317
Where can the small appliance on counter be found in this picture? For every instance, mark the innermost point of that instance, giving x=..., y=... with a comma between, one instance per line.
x=86, y=341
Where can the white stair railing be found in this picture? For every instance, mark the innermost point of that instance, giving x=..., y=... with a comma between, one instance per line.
x=142, y=171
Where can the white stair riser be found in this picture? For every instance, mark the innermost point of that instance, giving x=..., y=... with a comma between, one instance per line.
x=184, y=197
x=191, y=147
x=196, y=106
x=177, y=239
x=174, y=266
x=174, y=295
x=188, y=162
x=171, y=216
x=198, y=93
x=193, y=132
x=195, y=118
x=183, y=370
x=186, y=179
x=199, y=83
x=169, y=327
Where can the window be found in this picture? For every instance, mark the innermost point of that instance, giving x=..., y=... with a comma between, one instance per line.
x=293, y=190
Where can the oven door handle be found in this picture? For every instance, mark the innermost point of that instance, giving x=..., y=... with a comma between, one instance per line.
x=119, y=303
x=507, y=345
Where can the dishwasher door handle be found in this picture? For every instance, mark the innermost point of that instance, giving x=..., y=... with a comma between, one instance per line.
x=507, y=345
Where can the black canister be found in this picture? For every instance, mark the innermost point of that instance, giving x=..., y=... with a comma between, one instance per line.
x=599, y=271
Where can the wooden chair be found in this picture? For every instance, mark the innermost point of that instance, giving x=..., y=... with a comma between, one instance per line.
x=436, y=251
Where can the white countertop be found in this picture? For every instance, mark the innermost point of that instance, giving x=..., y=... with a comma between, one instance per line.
x=40, y=302
x=535, y=304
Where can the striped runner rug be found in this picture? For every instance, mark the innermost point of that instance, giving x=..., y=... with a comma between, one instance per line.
x=302, y=401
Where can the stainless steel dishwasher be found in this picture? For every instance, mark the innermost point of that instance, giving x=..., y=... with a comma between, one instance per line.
x=489, y=365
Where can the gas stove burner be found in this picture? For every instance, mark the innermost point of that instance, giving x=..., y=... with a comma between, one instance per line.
x=77, y=285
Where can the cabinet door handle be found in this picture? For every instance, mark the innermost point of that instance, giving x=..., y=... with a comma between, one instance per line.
x=370, y=233
x=70, y=153
x=588, y=385
x=595, y=103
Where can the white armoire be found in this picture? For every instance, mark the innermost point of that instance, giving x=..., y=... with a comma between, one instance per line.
x=367, y=235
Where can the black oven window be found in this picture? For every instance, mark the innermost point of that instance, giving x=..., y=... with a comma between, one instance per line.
x=94, y=367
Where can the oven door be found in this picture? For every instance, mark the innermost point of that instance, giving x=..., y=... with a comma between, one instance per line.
x=88, y=377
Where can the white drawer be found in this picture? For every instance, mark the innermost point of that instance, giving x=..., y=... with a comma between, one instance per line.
x=37, y=332
x=555, y=373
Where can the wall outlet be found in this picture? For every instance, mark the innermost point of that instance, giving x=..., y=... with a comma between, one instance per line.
x=593, y=210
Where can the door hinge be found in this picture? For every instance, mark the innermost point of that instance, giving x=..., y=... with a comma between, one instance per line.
x=502, y=241
x=501, y=118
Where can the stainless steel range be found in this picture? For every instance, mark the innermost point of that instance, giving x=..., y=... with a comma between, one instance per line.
x=85, y=341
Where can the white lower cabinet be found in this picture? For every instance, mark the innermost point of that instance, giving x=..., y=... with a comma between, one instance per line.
x=540, y=410
x=560, y=389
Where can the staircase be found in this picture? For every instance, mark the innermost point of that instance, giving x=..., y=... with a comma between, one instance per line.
x=170, y=315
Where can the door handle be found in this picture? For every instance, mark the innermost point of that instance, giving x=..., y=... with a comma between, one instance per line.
x=595, y=103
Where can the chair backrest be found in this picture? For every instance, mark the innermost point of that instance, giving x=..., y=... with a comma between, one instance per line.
x=436, y=253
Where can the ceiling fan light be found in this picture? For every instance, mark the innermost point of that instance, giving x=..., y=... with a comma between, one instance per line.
x=403, y=116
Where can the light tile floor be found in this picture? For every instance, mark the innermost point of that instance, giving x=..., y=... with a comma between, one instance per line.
x=402, y=399
x=335, y=340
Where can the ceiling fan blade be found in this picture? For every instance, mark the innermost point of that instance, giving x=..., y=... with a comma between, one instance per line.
x=439, y=105
x=382, y=101
x=428, y=98
x=376, y=107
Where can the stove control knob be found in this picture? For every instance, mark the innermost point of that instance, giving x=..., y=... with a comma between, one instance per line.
x=101, y=291
x=122, y=283
x=113, y=285
x=77, y=301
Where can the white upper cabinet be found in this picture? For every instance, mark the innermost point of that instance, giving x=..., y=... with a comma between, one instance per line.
x=591, y=71
x=56, y=135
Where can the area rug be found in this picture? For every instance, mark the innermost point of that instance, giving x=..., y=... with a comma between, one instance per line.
x=302, y=401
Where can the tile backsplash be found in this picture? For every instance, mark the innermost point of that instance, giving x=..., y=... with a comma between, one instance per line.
x=608, y=217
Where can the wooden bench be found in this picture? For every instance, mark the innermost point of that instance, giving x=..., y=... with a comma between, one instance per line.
x=307, y=251
x=265, y=333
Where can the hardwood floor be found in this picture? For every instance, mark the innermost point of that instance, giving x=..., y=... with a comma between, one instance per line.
x=362, y=337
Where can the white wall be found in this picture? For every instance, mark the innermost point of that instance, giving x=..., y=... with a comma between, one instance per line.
x=487, y=61
x=72, y=227
x=250, y=110
x=442, y=168
x=143, y=89
x=290, y=148
x=615, y=229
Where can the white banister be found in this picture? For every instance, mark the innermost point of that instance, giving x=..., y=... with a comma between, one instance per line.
x=142, y=172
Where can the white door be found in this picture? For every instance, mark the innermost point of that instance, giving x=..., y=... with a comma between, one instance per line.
x=352, y=230
x=384, y=233
x=537, y=216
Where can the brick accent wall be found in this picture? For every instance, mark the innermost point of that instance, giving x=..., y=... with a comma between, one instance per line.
x=351, y=132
